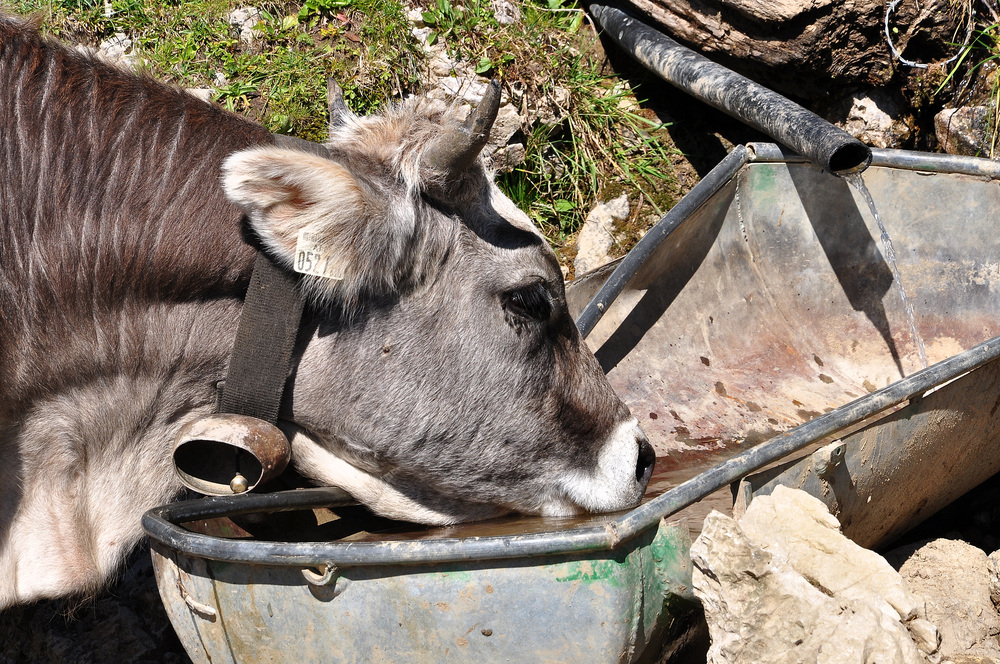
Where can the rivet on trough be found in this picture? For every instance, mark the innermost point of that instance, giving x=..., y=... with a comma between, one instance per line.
x=223, y=454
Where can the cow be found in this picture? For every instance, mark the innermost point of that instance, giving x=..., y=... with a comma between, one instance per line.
x=438, y=379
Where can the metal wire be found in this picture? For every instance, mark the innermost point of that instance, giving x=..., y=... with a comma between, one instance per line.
x=889, y=8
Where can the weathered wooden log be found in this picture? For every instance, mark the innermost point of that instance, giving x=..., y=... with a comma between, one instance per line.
x=804, y=46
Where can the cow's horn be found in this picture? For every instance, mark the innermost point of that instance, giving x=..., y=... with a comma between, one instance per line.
x=336, y=105
x=223, y=454
x=457, y=150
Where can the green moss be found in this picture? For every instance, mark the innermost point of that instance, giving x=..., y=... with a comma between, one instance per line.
x=590, y=571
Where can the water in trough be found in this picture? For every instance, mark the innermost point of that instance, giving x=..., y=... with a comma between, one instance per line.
x=856, y=181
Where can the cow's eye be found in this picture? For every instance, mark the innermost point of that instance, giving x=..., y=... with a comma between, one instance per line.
x=529, y=302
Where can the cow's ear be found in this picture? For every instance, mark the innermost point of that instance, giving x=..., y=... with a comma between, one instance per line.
x=286, y=191
x=314, y=216
x=309, y=209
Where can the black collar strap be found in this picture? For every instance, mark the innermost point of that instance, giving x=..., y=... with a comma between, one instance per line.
x=239, y=446
x=262, y=355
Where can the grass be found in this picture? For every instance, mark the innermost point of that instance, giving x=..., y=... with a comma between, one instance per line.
x=280, y=80
x=590, y=143
x=597, y=151
x=972, y=78
x=598, y=142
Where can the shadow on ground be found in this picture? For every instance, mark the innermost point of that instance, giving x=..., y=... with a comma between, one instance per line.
x=125, y=624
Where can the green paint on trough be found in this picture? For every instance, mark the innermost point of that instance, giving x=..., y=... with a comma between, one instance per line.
x=590, y=571
x=463, y=576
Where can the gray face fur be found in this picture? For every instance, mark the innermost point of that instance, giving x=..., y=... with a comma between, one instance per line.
x=453, y=384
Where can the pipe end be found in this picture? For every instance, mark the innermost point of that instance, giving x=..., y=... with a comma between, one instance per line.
x=852, y=157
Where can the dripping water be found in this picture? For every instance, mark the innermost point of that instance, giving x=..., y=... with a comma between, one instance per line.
x=855, y=180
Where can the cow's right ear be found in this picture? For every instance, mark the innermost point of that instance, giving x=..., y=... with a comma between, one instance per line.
x=286, y=191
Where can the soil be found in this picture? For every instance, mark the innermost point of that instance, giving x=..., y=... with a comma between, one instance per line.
x=124, y=624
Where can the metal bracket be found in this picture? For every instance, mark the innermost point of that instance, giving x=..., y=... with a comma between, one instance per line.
x=327, y=577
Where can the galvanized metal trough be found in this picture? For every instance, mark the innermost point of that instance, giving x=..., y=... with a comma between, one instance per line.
x=756, y=324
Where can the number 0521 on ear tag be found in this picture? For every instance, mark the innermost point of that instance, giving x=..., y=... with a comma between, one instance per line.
x=312, y=258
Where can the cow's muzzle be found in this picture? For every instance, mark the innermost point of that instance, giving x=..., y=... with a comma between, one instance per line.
x=223, y=453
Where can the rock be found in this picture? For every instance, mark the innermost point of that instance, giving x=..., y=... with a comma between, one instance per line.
x=506, y=12
x=422, y=35
x=926, y=635
x=517, y=90
x=597, y=236
x=760, y=610
x=785, y=585
x=554, y=107
x=205, y=94
x=501, y=156
x=441, y=64
x=799, y=528
x=993, y=565
x=118, y=50
x=467, y=89
x=507, y=124
x=626, y=98
x=874, y=118
x=245, y=19
x=416, y=17
x=967, y=620
x=963, y=130
x=506, y=158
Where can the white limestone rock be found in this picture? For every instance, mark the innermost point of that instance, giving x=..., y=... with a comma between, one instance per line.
x=874, y=118
x=964, y=131
x=506, y=158
x=245, y=19
x=957, y=581
x=785, y=585
x=205, y=94
x=597, y=236
x=117, y=49
x=506, y=12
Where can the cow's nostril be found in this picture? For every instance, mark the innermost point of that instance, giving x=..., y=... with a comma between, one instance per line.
x=644, y=465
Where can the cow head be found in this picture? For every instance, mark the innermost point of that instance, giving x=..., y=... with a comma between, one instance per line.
x=441, y=378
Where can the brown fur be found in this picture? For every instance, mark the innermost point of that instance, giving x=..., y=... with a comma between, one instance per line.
x=141, y=238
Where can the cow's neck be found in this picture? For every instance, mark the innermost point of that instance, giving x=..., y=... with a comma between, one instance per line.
x=117, y=241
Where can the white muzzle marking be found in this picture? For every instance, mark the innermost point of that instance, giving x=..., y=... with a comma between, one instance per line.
x=612, y=485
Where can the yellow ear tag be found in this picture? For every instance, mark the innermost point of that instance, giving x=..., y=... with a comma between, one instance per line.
x=311, y=258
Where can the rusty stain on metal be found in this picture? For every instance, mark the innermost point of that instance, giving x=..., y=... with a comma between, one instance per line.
x=726, y=333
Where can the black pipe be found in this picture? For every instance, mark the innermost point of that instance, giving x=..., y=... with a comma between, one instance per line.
x=765, y=110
